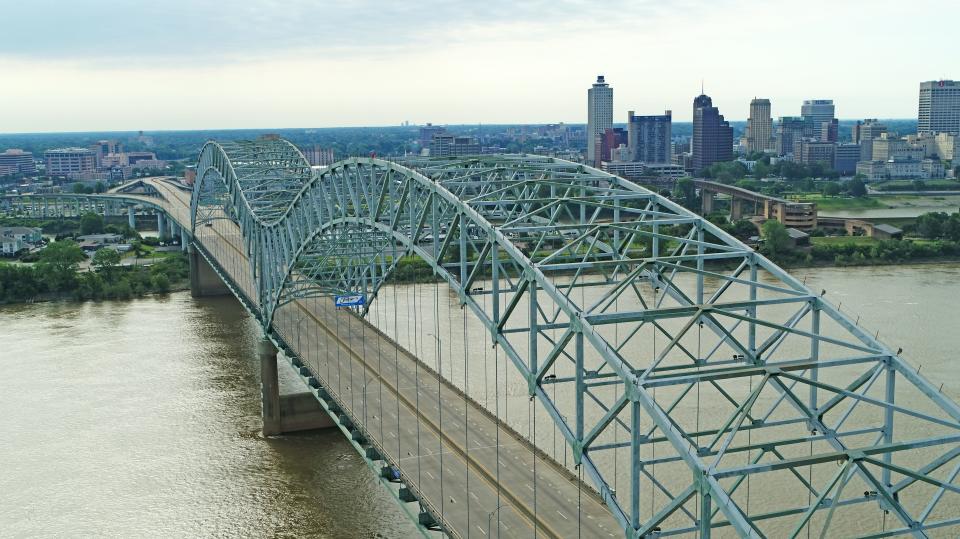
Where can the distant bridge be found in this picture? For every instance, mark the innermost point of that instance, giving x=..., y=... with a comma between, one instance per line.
x=652, y=375
x=800, y=215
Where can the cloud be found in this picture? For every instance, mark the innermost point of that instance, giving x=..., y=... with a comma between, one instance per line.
x=117, y=31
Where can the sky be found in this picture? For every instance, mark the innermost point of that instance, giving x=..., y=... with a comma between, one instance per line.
x=101, y=65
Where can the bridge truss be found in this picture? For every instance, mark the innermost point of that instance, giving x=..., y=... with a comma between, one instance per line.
x=697, y=385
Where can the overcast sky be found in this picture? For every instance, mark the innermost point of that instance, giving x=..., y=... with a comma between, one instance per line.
x=84, y=65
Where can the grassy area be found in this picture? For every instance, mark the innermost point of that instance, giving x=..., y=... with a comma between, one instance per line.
x=924, y=185
x=842, y=240
x=839, y=203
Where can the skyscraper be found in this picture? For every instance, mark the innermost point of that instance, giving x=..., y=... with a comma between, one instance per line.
x=790, y=130
x=649, y=137
x=599, y=117
x=815, y=112
x=939, y=107
x=759, y=126
x=712, y=135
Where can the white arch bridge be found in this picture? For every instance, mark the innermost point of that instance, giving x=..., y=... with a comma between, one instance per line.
x=544, y=348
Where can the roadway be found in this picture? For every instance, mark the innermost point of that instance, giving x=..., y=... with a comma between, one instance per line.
x=445, y=446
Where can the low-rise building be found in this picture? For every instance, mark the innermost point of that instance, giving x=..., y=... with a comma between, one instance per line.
x=15, y=238
x=630, y=170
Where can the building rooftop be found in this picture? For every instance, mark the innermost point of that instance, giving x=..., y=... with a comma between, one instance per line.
x=889, y=229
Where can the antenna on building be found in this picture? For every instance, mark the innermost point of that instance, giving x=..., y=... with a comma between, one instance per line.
x=701, y=85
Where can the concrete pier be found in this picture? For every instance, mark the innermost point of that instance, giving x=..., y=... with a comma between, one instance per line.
x=131, y=218
x=286, y=405
x=203, y=280
x=161, y=226
x=269, y=387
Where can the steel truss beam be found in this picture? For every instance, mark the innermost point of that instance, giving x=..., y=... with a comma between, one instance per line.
x=600, y=293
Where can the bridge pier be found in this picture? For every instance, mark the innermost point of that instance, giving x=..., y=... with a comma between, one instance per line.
x=707, y=201
x=736, y=209
x=203, y=280
x=290, y=412
x=184, y=239
x=161, y=226
x=131, y=218
x=269, y=387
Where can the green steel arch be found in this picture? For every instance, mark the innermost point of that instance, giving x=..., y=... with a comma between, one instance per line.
x=675, y=304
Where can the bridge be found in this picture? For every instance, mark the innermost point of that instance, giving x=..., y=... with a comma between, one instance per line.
x=537, y=347
x=800, y=215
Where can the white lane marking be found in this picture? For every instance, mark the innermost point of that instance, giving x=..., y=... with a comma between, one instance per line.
x=561, y=514
x=430, y=474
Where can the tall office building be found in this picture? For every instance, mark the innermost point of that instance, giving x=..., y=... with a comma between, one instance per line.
x=649, y=137
x=759, y=126
x=17, y=162
x=939, y=107
x=70, y=162
x=864, y=134
x=815, y=112
x=789, y=130
x=712, y=135
x=599, y=117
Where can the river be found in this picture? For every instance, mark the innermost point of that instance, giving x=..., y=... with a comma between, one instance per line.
x=141, y=418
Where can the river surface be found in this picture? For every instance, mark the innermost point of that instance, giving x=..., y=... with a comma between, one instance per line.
x=141, y=418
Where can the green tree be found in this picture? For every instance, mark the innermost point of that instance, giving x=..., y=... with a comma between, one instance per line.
x=743, y=229
x=80, y=189
x=100, y=187
x=686, y=192
x=161, y=283
x=831, y=189
x=91, y=223
x=776, y=239
x=857, y=187
x=58, y=264
x=106, y=259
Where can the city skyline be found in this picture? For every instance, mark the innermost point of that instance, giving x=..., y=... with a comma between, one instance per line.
x=192, y=66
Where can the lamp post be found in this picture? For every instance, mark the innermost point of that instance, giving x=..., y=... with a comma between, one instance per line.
x=490, y=519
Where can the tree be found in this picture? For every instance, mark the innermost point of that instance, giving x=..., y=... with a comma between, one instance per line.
x=956, y=171
x=106, y=259
x=831, y=189
x=80, y=189
x=91, y=223
x=686, y=192
x=776, y=239
x=742, y=229
x=58, y=264
x=931, y=225
x=100, y=187
x=857, y=187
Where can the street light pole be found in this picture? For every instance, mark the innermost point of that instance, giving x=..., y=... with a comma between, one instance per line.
x=490, y=519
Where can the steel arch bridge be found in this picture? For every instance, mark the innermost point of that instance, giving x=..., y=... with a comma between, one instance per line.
x=647, y=335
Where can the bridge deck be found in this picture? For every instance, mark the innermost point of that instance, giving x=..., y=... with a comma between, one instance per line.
x=415, y=428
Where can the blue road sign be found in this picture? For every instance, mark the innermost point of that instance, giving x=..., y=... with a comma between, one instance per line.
x=351, y=300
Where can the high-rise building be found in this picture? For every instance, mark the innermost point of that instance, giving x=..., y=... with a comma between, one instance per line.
x=712, y=135
x=445, y=145
x=789, y=130
x=599, y=116
x=815, y=112
x=610, y=139
x=830, y=131
x=649, y=137
x=318, y=156
x=864, y=133
x=427, y=133
x=759, y=126
x=939, y=107
x=17, y=162
x=845, y=158
x=809, y=151
x=70, y=162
